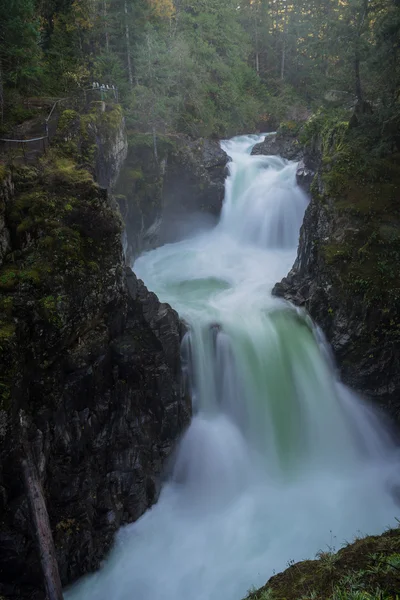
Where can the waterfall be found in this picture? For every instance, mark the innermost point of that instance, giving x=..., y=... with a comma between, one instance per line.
x=280, y=456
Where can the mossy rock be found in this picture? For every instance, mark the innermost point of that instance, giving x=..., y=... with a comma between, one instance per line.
x=7, y=331
x=368, y=569
x=67, y=120
x=3, y=172
x=64, y=171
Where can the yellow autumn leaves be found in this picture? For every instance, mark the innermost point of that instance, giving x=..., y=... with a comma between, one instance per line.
x=164, y=9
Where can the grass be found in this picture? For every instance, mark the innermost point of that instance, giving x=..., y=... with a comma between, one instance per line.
x=367, y=569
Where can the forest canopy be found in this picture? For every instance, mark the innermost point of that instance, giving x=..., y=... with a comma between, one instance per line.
x=204, y=67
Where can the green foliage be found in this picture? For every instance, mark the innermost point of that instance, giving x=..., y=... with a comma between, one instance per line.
x=327, y=559
x=340, y=594
x=266, y=594
x=206, y=68
x=20, y=51
x=66, y=119
x=64, y=171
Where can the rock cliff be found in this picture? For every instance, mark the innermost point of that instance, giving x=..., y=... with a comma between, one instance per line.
x=162, y=196
x=91, y=377
x=283, y=143
x=346, y=271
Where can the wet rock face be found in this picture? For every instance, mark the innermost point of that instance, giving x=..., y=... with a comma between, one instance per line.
x=91, y=363
x=165, y=199
x=304, y=176
x=361, y=334
x=193, y=187
x=195, y=177
x=112, y=151
x=281, y=144
x=102, y=422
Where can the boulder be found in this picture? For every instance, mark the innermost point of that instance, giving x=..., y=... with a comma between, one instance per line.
x=282, y=144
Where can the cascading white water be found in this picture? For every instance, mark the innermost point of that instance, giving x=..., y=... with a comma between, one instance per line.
x=280, y=456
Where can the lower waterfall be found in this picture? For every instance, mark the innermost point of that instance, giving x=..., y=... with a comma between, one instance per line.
x=281, y=460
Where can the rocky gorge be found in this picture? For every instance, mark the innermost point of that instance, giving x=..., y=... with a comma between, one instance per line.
x=345, y=274
x=91, y=387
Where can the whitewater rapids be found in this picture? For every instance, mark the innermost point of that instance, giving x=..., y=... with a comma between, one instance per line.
x=281, y=460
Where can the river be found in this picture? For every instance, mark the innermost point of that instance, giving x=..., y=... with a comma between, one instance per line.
x=281, y=460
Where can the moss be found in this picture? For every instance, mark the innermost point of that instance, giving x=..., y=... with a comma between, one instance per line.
x=24, y=176
x=87, y=122
x=67, y=119
x=67, y=527
x=336, y=252
x=62, y=229
x=369, y=566
x=363, y=191
x=64, y=171
x=289, y=128
x=51, y=308
x=8, y=278
x=136, y=174
x=77, y=133
x=6, y=304
x=7, y=331
x=329, y=129
x=112, y=117
x=3, y=172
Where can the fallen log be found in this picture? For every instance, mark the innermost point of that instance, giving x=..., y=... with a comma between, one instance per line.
x=43, y=534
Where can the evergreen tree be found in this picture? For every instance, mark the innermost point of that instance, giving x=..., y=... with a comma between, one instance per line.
x=20, y=50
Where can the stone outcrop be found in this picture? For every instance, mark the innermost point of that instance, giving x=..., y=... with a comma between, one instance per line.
x=91, y=376
x=283, y=144
x=194, y=178
x=345, y=270
x=160, y=197
x=111, y=141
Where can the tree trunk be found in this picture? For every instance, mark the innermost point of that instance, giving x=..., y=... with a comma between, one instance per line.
x=1, y=96
x=283, y=58
x=357, y=60
x=256, y=41
x=107, y=35
x=155, y=145
x=43, y=534
x=359, y=94
x=128, y=45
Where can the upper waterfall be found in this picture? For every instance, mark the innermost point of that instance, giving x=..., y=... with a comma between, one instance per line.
x=279, y=453
x=263, y=205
